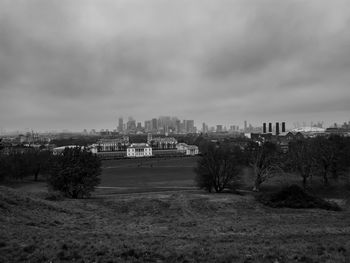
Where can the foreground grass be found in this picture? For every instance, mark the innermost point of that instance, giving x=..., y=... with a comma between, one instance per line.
x=167, y=227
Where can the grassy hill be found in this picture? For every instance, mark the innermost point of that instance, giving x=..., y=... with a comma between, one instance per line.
x=167, y=227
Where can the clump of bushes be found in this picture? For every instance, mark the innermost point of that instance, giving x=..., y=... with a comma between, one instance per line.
x=75, y=173
x=54, y=196
x=295, y=197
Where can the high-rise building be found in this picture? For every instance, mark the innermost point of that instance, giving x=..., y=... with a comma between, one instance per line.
x=148, y=126
x=245, y=125
x=154, y=124
x=219, y=128
x=131, y=124
x=204, y=127
x=177, y=126
x=120, y=125
x=189, y=126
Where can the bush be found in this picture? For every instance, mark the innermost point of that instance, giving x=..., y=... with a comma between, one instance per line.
x=75, y=173
x=54, y=196
x=295, y=197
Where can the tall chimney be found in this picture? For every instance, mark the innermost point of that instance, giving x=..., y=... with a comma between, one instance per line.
x=270, y=127
x=277, y=128
x=264, y=127
x=283, y=127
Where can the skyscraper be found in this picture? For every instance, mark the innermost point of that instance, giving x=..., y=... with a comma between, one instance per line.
x=120, y=125
x=154, y=124
x=189, y=126
x=131, y=124
x=204, y=128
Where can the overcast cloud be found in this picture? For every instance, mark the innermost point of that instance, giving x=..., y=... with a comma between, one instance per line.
x=81, y=64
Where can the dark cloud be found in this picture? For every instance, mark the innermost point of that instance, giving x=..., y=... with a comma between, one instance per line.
x=80, y=64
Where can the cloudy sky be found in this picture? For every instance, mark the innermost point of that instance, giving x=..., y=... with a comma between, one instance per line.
x=81, y=64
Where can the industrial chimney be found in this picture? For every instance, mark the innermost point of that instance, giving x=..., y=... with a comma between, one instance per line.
x=264, y=127
x=270, y=127
x=277, y=128
x=283, y=127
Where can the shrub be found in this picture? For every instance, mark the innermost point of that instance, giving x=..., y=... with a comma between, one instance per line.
x=295, y=197
x=75, y=173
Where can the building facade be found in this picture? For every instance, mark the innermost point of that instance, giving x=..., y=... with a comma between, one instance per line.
x=187, y=149
x=112, y=145
x=165, y=143
x=139, y=150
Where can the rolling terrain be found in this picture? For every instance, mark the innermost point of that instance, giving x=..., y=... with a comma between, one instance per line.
x=161, y=217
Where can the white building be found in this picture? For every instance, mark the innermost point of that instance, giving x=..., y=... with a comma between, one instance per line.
x=139, y=150
x=112, y=145
x=187, y=149
x=59, y=150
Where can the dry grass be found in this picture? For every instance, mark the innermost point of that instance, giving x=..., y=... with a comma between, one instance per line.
x=167, y=227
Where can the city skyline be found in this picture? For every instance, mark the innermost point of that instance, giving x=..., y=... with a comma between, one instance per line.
x=78, y=64
x=175, y=125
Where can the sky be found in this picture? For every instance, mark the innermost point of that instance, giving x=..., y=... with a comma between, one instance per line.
x=82, y=64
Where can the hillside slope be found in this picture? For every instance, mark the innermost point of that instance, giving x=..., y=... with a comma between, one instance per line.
x=167, y=227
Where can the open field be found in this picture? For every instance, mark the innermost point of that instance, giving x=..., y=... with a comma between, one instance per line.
x=150, y=211
x=167, y=227
x=144, y=175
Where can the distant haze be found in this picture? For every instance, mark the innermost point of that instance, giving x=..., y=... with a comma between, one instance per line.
x=79, y=64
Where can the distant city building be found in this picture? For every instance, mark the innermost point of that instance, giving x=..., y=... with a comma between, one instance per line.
x=148, y=126
x=154, y=125
x=120, y=125
x=164, y=143
x=177, y=126
x=188, y=126
x=187, y=149
x=131, y=125
x=139, y=150
x=111, y=145
x=204, y=127
x=59, y=150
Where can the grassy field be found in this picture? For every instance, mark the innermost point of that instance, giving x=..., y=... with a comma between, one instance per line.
x=135, y=175
x=167, y=227
x=140, y=219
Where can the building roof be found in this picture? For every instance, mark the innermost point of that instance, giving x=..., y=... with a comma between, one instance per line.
x=164, y=139
x=308, y=129
x=61, y=148
x=139, y=146
x=115, y=140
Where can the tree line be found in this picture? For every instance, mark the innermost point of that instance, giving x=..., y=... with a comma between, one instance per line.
x=221, y=165
x=75, y=172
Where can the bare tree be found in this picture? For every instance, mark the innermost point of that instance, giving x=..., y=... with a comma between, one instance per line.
x=326, y=157
x=265, y=161
x=302, y=159
x=218, y=168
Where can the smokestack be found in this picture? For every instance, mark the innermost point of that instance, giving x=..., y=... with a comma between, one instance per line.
x=283, y=127
x=264, y=127
x=277, y=128
x=270, y=127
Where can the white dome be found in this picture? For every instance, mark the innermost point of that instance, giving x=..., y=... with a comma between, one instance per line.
x=308, y=129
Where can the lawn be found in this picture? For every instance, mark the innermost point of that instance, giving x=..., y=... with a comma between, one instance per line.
x=167, y=227
x=150, y=211
x=148, y=174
